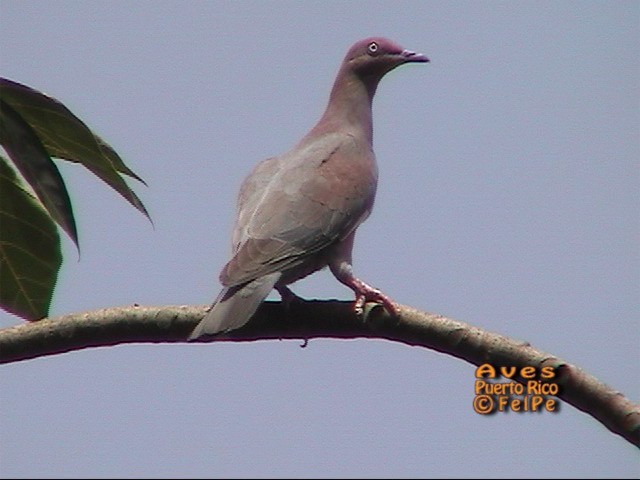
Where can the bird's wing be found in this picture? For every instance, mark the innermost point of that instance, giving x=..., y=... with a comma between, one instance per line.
x=251, y=191
x=293, y=207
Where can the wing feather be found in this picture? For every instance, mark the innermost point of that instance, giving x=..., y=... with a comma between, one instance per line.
x=292, y=208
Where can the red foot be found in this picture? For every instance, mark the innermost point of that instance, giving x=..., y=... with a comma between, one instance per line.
x=366, y=293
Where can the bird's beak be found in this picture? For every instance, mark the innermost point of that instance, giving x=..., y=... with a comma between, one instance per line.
x=409, y=56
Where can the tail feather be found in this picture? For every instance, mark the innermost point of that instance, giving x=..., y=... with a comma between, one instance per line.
x=235, y=306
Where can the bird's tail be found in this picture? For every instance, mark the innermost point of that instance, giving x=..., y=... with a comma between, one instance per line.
x=235, y=306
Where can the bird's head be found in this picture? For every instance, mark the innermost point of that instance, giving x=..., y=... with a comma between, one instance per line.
x=373, y=57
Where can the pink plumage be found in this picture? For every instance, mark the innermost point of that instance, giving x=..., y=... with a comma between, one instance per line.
x=298, y=213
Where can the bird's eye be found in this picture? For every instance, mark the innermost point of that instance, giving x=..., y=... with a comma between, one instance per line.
x=373, y=47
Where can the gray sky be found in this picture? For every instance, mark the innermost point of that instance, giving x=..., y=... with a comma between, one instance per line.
x=508, y=199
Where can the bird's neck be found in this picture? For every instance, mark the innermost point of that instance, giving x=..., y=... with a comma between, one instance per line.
x=349, y=106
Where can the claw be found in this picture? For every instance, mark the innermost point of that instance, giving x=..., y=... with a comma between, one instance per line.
x=366, y=293
x=358, y=306
x=344, y=273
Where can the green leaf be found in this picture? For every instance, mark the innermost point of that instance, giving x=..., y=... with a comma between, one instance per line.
x=30, y=256
x=30, y=157
x=65, y=136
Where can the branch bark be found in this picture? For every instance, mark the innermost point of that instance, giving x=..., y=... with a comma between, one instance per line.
x=325, y=319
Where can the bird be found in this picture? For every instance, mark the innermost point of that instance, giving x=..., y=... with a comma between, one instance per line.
x=298, y=212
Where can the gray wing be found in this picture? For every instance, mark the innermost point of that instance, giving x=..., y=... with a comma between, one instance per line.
x=293, y=207
x=251, y=191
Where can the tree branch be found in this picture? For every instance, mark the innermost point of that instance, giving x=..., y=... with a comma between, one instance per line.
x=325, y=319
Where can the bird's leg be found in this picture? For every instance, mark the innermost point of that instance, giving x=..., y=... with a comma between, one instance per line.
x=343, y=271
x=287, y=295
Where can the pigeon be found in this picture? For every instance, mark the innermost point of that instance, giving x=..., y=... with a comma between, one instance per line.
x=298, y=212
